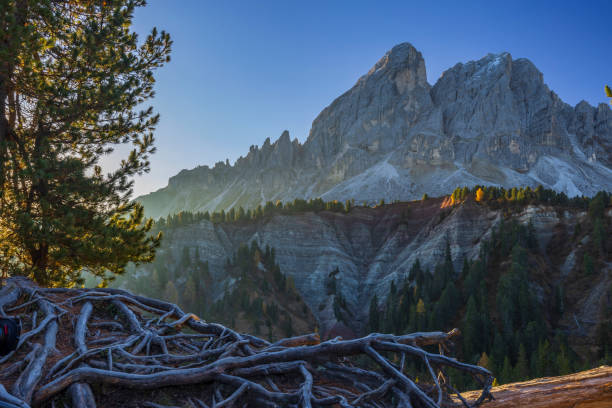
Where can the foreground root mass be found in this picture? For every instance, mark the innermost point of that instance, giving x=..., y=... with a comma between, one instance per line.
x=78, y=341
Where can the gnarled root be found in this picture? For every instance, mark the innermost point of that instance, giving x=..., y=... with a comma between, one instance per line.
x=125, y=341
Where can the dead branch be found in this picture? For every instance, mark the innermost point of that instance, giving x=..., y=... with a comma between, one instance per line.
x=139, y=343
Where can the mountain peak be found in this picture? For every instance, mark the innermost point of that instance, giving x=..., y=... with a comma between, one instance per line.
x=284, y=137
x=394, y=136
x=403, y=58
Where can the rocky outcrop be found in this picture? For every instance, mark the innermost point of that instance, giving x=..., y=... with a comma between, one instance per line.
x=394, y=136
x=372, y=247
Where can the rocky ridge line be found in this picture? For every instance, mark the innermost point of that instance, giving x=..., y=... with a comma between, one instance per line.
x=394, y=136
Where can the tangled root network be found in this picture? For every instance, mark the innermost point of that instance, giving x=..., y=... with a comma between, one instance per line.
x=109, y=347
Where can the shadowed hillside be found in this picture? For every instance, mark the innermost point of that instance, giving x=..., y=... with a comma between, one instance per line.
x=524, y=273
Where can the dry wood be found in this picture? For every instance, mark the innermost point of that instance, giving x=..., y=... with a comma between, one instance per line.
x=586, y=389
x=81, y=393
x=138, y=343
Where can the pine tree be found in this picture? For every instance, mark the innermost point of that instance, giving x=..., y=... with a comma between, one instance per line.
x=587, y=264
x=185, y=258
x=466, y=268
x=506, y=373
x=486, y=325
x=170, y=292
x=374, y=319
x=599, y=236
x=288, y=326
x=156, y=283
x=421, y=317
x=189, y=298
x=563, y=361
x=448, y=269
x=72, y=81
x=471, y=330
x=347, y=206
x=597, y=206
x=498, y=352
x=543, y=364
x=521, y=370
x=484, y=361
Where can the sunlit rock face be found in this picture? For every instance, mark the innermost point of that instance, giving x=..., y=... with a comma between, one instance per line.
x=394, y=136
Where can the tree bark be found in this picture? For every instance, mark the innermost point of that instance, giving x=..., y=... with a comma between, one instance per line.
x=586, y=389
x=137, y=343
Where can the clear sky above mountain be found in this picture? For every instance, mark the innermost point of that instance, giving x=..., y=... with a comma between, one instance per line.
x=244, y=71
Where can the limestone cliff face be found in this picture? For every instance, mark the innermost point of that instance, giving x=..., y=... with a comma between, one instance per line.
x=372, y=247
x=394, y=136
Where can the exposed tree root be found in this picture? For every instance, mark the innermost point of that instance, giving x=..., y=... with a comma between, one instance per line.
x=92, y=338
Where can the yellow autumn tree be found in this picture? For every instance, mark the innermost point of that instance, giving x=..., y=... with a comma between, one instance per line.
x=484, y=361
x=420, y=307
x=479, y=194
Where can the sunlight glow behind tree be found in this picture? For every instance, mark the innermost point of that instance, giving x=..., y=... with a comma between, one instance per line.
x=72, y=77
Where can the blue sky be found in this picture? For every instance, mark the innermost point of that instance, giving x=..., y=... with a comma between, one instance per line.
x=244, y=71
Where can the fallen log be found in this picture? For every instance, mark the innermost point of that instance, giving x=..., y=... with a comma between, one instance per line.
x=586, y=389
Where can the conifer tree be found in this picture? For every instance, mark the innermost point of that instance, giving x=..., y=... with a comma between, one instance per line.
x=421, y=315
x=506, y=375
x=72, y=80
x=472, y=330
x=521, y=369
x=374, y=320
x=170, y=292
x=484, y=361
x=543, y=364
x=189, y=298
x=563, y=361
x=599, y=236
x=498, y=352
x=156, y=283
x=587, y=264
x=465, y=269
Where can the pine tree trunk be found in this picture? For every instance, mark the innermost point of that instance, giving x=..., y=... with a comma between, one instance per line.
x=40, y=263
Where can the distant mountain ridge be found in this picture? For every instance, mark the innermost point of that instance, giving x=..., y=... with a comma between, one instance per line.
x=394, y=136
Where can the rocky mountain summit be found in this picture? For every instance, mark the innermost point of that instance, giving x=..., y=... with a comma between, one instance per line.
x=394, y=136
